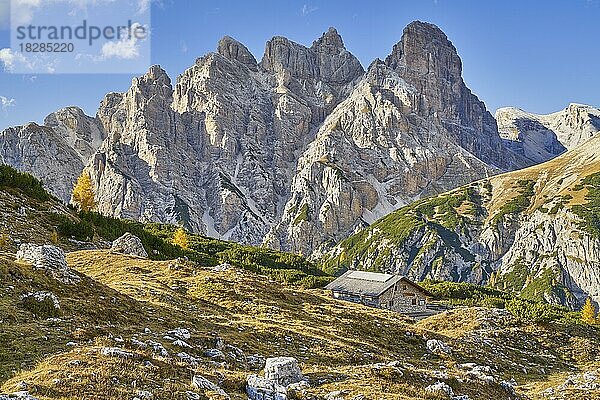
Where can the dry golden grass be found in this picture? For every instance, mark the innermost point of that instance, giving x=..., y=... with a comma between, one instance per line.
x=336, y=343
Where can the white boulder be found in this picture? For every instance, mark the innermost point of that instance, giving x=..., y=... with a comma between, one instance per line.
x=129, y=244
x=47, y=258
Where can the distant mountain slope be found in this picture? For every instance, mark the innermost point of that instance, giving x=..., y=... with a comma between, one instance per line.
x=540, y=138
x=534, y=231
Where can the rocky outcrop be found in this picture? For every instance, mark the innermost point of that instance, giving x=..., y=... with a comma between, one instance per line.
x=129, y=244
x=47, y=298
x=540, y=138
x=409, y=129
x=200, y=382
x=54, y=152
x=531, y=232
x=48, y=258
x=438, y=347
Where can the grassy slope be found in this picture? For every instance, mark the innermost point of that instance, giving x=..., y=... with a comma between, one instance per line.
x=336, y=342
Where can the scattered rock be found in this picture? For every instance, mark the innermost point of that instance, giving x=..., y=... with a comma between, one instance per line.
x=180, y=333
x=42, y=297
x=259, y=388
x=158, y=348
x=181, y=343
x=282, y=374
x=48, y=258
x=509, y=386
x=438, y=347
x=255, y=362
x=116, y=352
x=214, y=353
x=483, y=373
x=185, y=357
x=200, y=382
x=144, y=395
x=337, y=395
x=222, y=267
x=440, y=387
x=129, y=244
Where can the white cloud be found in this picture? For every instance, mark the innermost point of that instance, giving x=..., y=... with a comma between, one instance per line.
x=126, y=48
x=307, y=9
x=17, y=62
x=6, y=103
x=184, y=47
x=11, y=60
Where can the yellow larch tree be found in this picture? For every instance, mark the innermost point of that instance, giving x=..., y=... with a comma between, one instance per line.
x=588, y=312
x=83, y=193
x=180, y=238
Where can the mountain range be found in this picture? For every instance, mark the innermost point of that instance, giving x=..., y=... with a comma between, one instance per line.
x=305, y=149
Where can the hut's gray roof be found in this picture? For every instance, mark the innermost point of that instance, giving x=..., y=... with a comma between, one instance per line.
x=364, y=283
x=369, y=283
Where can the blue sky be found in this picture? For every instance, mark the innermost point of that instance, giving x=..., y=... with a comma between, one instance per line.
x=535, y=55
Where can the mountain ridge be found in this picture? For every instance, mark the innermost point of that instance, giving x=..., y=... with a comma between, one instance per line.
x=234, y=147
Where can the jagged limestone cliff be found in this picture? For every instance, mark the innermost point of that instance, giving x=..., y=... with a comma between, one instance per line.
x=217, y=152
x=410, y=128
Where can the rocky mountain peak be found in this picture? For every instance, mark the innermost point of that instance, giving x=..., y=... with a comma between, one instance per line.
x=231, y=49
x=155, y=81
x=82, y=132
x=326, y=60
x=63, y=115
x=580, y=114
x=330, y=42
x=281, y=54
x=425, y=50
x=541, y=137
